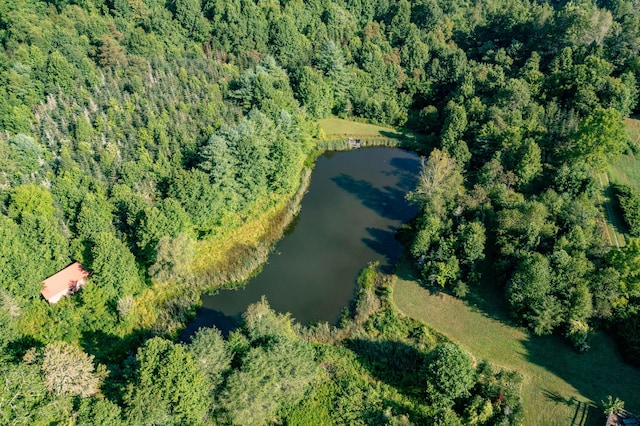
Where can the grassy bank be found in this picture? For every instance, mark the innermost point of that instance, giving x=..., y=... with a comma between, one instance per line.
x=231, y=257
x=561, y=387
x=240, y=246
x=237, y=252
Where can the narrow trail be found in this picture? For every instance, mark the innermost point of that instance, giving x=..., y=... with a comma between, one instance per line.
x=607, y=203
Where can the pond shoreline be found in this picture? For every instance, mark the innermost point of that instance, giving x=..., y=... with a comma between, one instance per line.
x=258, y=255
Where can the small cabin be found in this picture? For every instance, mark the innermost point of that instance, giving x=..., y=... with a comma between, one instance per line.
x=66, y=281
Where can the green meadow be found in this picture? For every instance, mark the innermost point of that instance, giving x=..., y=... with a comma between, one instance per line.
x=561, y=386
x=338, y=127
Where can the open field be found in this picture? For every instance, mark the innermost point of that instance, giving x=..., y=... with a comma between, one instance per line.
x=334, y=126
x=625, y=171
x=561, y=386
x=335, y=132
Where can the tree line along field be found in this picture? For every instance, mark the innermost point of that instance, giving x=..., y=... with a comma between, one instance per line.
x=165, y=145
x=625, y=184
x=559, y=384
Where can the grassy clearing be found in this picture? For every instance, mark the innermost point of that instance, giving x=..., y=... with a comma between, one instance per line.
x=336, y=131
x=561, y=387
x=627, y=169
x=611, y=220
x=334, y=127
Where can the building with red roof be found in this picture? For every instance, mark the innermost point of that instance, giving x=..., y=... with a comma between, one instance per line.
x=67, y=281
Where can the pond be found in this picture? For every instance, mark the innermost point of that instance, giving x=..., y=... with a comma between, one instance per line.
x=349, y=217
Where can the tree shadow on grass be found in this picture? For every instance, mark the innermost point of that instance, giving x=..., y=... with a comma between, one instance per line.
x=16, y=349
x=410, y=140
x=107, y=348
x=395, y=363
x=595, y=374
x=485, y=297
x=583, y=411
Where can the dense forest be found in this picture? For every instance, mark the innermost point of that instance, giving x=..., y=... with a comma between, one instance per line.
x=136, y=135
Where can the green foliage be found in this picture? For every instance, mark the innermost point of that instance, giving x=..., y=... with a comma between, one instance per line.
x=113, y=267
x=30, y=200
x=277, y=369
x=169, y=386
x=449, y=373
x=600, y=138
x=268, y=377
x=523, y=227
x=22, y=158
x=131, y=129
x=625, y=261
x=627, y=321
x=98, y=411
x=212, y=354
x=530, y=294
x=314, y=93
x=24, y=398
x=266, y=88
x=439, y=184
x=264, y=325
x=615, y=406
x=173, y=259
x=629, y=201
x=472, y=240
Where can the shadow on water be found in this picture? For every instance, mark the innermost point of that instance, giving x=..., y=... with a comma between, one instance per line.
x=384, y=201
x=207, y=317
x=349, y=216
x=405, y=170
x=384, y=242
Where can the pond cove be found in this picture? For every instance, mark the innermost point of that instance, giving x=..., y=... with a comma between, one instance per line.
x=349, y=217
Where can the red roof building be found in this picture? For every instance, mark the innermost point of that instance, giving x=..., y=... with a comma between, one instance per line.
x=67, y=281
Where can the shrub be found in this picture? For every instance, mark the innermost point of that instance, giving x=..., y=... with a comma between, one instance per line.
x=629, y=201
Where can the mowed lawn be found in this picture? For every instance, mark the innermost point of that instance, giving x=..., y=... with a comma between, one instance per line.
x=561, y=386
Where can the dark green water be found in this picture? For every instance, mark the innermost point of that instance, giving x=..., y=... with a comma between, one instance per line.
x=355, y=203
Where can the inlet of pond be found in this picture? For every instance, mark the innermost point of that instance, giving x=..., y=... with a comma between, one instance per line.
x=349, y=217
